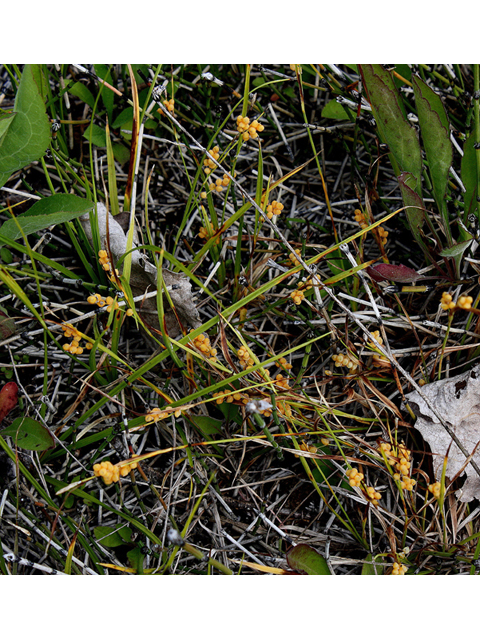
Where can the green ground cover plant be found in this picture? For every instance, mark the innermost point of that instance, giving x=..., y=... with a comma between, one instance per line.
x=219, y=287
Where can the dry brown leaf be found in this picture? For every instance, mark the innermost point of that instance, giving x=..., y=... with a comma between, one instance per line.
x=457, y=400
x=143, y=278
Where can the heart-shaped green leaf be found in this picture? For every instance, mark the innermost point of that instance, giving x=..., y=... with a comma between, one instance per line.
x=29, y=434
x=27, y=135
x=55, y=209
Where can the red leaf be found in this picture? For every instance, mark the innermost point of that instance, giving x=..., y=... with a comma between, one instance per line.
x=393, y=272
x=8, y=399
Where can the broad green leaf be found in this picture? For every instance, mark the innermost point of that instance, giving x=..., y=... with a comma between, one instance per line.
x=456, y=252
x=456, y=249
x=368, y=568
x=392, y=123
x=46, y=212
x=208, y=427
x=304, y=559
x=97, y=134
x=79, y=90
x=28, y=135
x=29, y=434
x=136, y=559
x=435, y=130
x=469, y=176
x=6, y=120
x=334, y=110
x=415, y=210
x=112, y=536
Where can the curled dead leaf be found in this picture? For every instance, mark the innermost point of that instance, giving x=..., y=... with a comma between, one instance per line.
x=143, y=278
x=457, y=400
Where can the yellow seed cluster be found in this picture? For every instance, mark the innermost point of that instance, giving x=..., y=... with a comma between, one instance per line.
x=109, y=303
x=202, y=343
x=296, y=67
x=293, y=257
x=342, y=360
x=377, y=359
x=156, y=414
x=435, y=488
x=219, y=183
x=112, y=472
x=373, y=495
x=274, y=209
x=398, y=569
x=226, y=396
x=446, y=302
x=281, y=381
x=354, y=477
x=306, y=447
x=400, y=459
x=465, y=302
x=106, y=266
x=74, y=347
x=247, y=129
x=360, y=218
x=245, y=357
x=284, y=364
x=169, y=104
x=208, y=164
x=297, y=296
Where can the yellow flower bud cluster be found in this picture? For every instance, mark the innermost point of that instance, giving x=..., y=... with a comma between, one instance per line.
x=112, y=472
x=360, y=218
x=247, y=129
x=446, y=302
x=245, y=357
x=465, y=302
x=74, y=347
x=219, y=183
x=284, y=364
x=208, y=164
x=342, y=360
x=399, y=458
x=202, y=343
x=306, y=447
x=169, y=104
x=206, y=233
x=378, y=360
x=373, y=496
x=281, y=381
x=292, y=257
x=274, y=209
x=398, y=569
x=297, y=296
x=354, y=477
x=435, y=488
x=229, y=397
x=106, y=266
x=156, y=414
x=109, y=303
